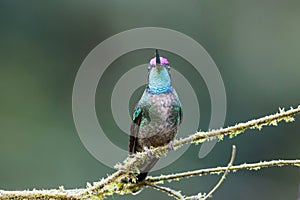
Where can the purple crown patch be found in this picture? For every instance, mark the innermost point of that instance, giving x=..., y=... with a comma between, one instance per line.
x=163, y=61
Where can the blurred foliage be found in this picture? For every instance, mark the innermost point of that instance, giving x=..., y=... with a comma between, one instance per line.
x=255, y=44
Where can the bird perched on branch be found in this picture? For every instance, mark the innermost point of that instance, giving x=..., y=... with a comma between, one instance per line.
x=157, y=115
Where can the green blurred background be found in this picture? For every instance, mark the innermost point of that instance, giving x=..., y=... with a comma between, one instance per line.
x=255, y=45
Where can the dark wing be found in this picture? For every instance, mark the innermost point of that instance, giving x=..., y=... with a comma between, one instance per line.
x=134, y=128
x=180, y=115
x=177, y=108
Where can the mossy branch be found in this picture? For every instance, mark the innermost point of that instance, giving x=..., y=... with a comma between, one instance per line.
x=117, y=183
x=218, y=170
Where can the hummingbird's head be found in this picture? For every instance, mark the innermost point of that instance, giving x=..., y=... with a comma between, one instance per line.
x=159, y=78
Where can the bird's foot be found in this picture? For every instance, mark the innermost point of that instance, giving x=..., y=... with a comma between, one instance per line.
x=131, y=155
x=149, y=152
x=171, y=145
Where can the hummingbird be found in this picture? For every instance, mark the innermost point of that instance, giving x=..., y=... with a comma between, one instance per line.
x=157, y=115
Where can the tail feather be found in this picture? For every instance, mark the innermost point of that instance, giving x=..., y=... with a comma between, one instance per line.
x=142, y=176
x=145, y=168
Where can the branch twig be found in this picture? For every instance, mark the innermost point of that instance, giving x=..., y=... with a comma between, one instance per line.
x=218, y=170
x=224, y=175
x=169, y=191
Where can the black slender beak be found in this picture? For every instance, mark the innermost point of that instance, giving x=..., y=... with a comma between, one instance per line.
x=157, y=57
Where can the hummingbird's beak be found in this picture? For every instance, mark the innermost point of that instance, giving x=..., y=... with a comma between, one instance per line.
x=157, y=57
x=158, y=66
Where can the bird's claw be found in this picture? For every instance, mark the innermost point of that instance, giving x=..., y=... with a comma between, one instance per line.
x=171, y=145
x=149, y=152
